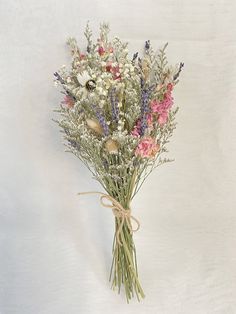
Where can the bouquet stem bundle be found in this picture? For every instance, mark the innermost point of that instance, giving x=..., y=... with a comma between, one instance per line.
x=124, y=269
x=124, y=265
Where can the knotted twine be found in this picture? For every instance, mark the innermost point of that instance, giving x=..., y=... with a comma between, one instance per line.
x=123, y=215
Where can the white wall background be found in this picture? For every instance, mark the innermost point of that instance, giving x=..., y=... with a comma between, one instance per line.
x=55, y=249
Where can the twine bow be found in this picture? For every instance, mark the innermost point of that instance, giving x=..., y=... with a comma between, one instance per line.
x=123, y=215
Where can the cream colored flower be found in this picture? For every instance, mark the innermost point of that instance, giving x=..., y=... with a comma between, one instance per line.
x=83, y=78
x=111, y=146
x=86, y=81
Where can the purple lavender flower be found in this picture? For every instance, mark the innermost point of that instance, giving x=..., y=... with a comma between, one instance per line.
x=101, y=119
x=144, y=111
x=147, y=45
x=179, y=70
x=145, y=95
x=135, y=56
x=74, y=144
x=59, y=78
x=114, y=105
x=142, y=83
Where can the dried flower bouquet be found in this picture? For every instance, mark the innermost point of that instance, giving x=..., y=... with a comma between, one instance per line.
x=117, y=117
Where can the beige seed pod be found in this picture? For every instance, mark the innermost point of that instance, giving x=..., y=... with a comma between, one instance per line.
x=95, y=126
x=145, y=67
x=111, y=146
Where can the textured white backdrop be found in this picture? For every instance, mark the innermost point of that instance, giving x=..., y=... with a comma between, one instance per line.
x=55, y=249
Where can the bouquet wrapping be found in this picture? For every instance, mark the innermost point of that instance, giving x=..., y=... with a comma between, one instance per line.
x=117, y=116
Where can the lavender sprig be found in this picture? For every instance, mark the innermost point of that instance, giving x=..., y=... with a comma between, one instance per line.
x=145, y=94
x=135, y=56
x=147, y=45
x=59, y=78
x=114, y=105
x=144, y=111
x=179, y=70
x=101, y=119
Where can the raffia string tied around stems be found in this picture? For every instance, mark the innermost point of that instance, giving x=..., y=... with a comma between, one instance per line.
x=123, y=215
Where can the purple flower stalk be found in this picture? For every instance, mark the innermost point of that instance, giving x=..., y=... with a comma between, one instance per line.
x=179, y=70
x=145, y=95
x=144, y=107
x=135, y=56
x=147, y=45
x=114, y=105
x=74, y=144
x=101, y=119
x=59, y=78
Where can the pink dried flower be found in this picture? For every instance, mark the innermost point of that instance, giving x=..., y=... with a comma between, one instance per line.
x=162, y=107
x=137, y=129
x=136, y=132
x=149, y=118
x=168, y=100
x=109, y=66
x=116, y=72
x=162, y=118
x=101, y=50
x=68, y=101
x=147, y=148
x=155, y=106
x=170, y=87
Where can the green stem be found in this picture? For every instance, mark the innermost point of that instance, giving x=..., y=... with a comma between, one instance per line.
x=124, y=268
